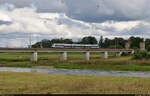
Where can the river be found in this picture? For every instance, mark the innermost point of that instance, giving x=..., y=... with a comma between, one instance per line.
x=77, y=71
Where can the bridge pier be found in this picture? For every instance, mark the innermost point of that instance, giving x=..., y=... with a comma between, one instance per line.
x=33, y=57
x=86, y=56
x=63, y=56
x=118, y=54
x=105, y=54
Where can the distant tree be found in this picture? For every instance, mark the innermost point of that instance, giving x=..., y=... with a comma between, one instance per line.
x=119, y=42
x=61, y=40
x=36, y=45
x=106, y=43
x=101, y=44
x=147, y=44
x=114, y=43
x=45, y=43
x=78, y=41
x=57, y=40
x=148, y=48
x=89, y=40
x=45, y=40
x=68, y=41
x=135, y=42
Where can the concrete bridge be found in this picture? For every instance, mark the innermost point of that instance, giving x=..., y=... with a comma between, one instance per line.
x=63, y=52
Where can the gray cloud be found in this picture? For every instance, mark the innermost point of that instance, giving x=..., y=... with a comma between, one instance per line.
x=140, y=30
x=91, y=10
x=5, y=22
x=41, y=5
x=105, y=10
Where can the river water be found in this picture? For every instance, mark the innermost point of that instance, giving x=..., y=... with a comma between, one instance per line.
x=78, y=71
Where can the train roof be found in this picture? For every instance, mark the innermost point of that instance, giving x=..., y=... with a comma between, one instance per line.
x=75, y=44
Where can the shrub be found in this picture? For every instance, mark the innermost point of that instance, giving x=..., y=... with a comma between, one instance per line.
x=148, y=56
x=140, y=54
x=148, y=48
x=125, y=54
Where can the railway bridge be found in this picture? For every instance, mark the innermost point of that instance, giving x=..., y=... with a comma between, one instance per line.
x=63, y=52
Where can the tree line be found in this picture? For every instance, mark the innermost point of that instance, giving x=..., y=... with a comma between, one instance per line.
x=116, y=42
x=45, y=43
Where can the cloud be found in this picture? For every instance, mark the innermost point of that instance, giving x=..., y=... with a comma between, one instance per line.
x=41, y=5
x=27, y=22
x=90, y=10
x=106, y=10
x=5, y=22
x=18, y=24
x=141, y=30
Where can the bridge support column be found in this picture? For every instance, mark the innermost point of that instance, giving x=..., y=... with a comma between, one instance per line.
x=63, y=56
x=118, y=54
x=34, y=57
x=105, y=54
x=86, y=56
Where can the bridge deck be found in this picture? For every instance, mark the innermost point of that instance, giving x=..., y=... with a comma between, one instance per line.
x=62, y=50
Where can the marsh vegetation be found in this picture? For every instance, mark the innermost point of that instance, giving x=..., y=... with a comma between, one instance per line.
x=36, y=83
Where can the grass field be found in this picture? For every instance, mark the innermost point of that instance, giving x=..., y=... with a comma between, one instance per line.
x=36, y=83
x=75, y=61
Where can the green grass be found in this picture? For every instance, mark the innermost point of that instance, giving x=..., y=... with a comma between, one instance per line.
x=75, y=61
x=36, y=83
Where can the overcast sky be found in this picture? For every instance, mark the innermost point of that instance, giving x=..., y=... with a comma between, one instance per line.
x=74, y=19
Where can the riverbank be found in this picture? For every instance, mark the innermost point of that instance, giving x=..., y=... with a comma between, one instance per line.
x=75, y=61
x=36, y=83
